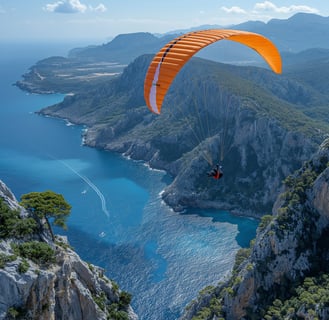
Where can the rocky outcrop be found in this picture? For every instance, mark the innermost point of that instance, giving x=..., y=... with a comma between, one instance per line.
x=256, y=162
x=9, y=198
x=292, y=245
x=66, y=288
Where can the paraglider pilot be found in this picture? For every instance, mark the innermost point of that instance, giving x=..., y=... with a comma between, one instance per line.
x=216, y=172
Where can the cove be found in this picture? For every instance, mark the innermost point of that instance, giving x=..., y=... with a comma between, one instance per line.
x=118, y=220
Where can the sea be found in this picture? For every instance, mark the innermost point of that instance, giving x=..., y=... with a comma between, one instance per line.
x=118, y=220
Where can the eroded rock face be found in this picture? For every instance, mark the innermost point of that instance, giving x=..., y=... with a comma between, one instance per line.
x=9, y=197
x=285, y=252
x=68, y=288
x=321, y=194
x=260, y=157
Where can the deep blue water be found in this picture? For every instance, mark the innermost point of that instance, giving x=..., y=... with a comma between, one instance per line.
x=118, y=220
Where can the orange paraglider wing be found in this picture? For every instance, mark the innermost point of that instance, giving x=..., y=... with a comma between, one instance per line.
x=172, y=57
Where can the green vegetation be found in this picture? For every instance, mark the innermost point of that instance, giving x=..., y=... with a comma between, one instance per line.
x=265, y=221
x=100, y=300
x=117, y=314
x=47, y=205
x=23, y=266
x=308, y=299
x=124, y=299
x=12, y=225
x=116, y=311
x=15, y=313
x=62, y=244
x=115, y=286
x=241, y=256
x=4, y=258
x=38, y=252
x=294, y=199
x=213, y=311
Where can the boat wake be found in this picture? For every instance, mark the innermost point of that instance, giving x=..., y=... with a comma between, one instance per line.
x=91, y=185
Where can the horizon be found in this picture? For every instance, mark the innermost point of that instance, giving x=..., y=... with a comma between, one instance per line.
x=99, y=21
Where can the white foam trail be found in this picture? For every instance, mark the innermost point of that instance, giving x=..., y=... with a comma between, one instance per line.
x=85, y=179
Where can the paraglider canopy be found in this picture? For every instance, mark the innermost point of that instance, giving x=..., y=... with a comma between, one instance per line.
x=172, y=57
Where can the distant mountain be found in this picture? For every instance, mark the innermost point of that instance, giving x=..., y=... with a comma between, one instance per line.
x=124, y=48
x=300, y=32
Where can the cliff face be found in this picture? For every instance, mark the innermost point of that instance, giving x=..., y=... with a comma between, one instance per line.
x=257, y=158
x=65, y=288
x=290, y=247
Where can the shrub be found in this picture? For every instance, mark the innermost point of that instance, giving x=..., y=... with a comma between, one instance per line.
x=4, y=258
x=240, y=257
x=23, y=266
x=124, y=299
x=265, y=221
x=12, y=225
x=15, y=313
x=38, y=252
x=101, y=300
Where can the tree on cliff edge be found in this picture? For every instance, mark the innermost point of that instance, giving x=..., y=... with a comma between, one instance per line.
x=47, y=205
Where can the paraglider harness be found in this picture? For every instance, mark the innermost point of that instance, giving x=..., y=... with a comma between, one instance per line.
x=216, y=172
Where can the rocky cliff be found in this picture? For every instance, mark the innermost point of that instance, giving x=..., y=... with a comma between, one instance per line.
x=60, y=287
x=285, y=272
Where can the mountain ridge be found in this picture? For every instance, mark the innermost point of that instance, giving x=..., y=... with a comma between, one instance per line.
x=284, y=33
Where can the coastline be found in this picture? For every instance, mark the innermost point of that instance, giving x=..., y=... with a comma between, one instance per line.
x=197, y=203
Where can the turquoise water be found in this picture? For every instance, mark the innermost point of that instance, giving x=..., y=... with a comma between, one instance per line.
x=118, y=220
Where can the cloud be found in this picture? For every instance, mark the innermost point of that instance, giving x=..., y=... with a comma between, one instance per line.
x=73, y=6
x=66, y=6
x=99, y=8
x=269, y=6
x=234, y=10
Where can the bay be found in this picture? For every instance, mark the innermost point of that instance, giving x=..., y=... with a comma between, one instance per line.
x=118, y=220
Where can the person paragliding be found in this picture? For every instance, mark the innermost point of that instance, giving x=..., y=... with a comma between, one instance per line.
x=216, y=172
x=169, y=60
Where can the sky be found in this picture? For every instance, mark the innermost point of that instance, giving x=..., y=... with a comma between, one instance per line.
x=101, y=20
